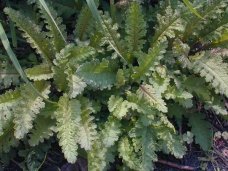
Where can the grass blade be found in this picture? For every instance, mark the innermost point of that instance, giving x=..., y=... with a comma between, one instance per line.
x=15, y=62
x=43, y=3
x=192, y=9
x=94, y=11
x=13, y=34
x=11, y=54
x=12, y=30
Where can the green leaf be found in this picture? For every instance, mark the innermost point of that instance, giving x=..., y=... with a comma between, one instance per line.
x=109, y=30
x=148, y=93
x=8, y=137
x=66, y=62
x=28, y=108
x=214, y=70
x=218, y=104
x=120, y=78
x=97, y=74
x=60, y=78
x=179, y=95
x=76, y=85
x=68, y=116
x=11, y=54
x=87, y=131
x=148, y=149
x=209, y=11
x=135, y=28
x=32, y=33
x=214, y=30
x=9, y=75
x=55, y=33
x=176, y=111
x=178, y=149
x=111, y=131
x=8, y=101
x=198, y=86
x=169, y=141
x=147, y=63
x=45, y=6
x=73, y=55
x=201, y=130
x=39, y=72
x=120, y=107
x=84, y=23
x=127, y=153
x=99, y=156
x=43, y=129
x=168, y=24
x=192, y=9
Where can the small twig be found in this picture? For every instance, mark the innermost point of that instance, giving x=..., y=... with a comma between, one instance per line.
x=181, y=167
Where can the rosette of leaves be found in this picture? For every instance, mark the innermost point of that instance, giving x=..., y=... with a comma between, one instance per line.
x=120, y=84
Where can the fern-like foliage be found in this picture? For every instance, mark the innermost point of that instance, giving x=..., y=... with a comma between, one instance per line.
x=75, y=84
x=148, y=61
x=73, y=54
x=221, y=42
x=181, y=51
x=60, y=78
x=216, y=29
x=108, y=108
x=68, y=116
x=148, y=93
x=56, y=38
x=8, y=137
x=32, y=33
x=28, y=108
x=217, y=104
x=112, y=38
x=84, y=23
x=39, y=72
x=135, y=28
x=120, y=78
x=8, y=101
x=168, y=25
x=67, y=60
x=126, y=151
x=165, y=29
x=111, y=131
x=44, y=128
x=8, y=75
x=201, y=130
x=179, y=95
x=214, y=71
x=99, y=156
x=87, y=130
x=98, y=74
x=198, y=86
x=120, y=107
x=209, y=12
x=148, y=149
x=170, y=142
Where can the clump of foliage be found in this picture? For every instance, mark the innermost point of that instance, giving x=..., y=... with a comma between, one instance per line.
x=125, y=86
